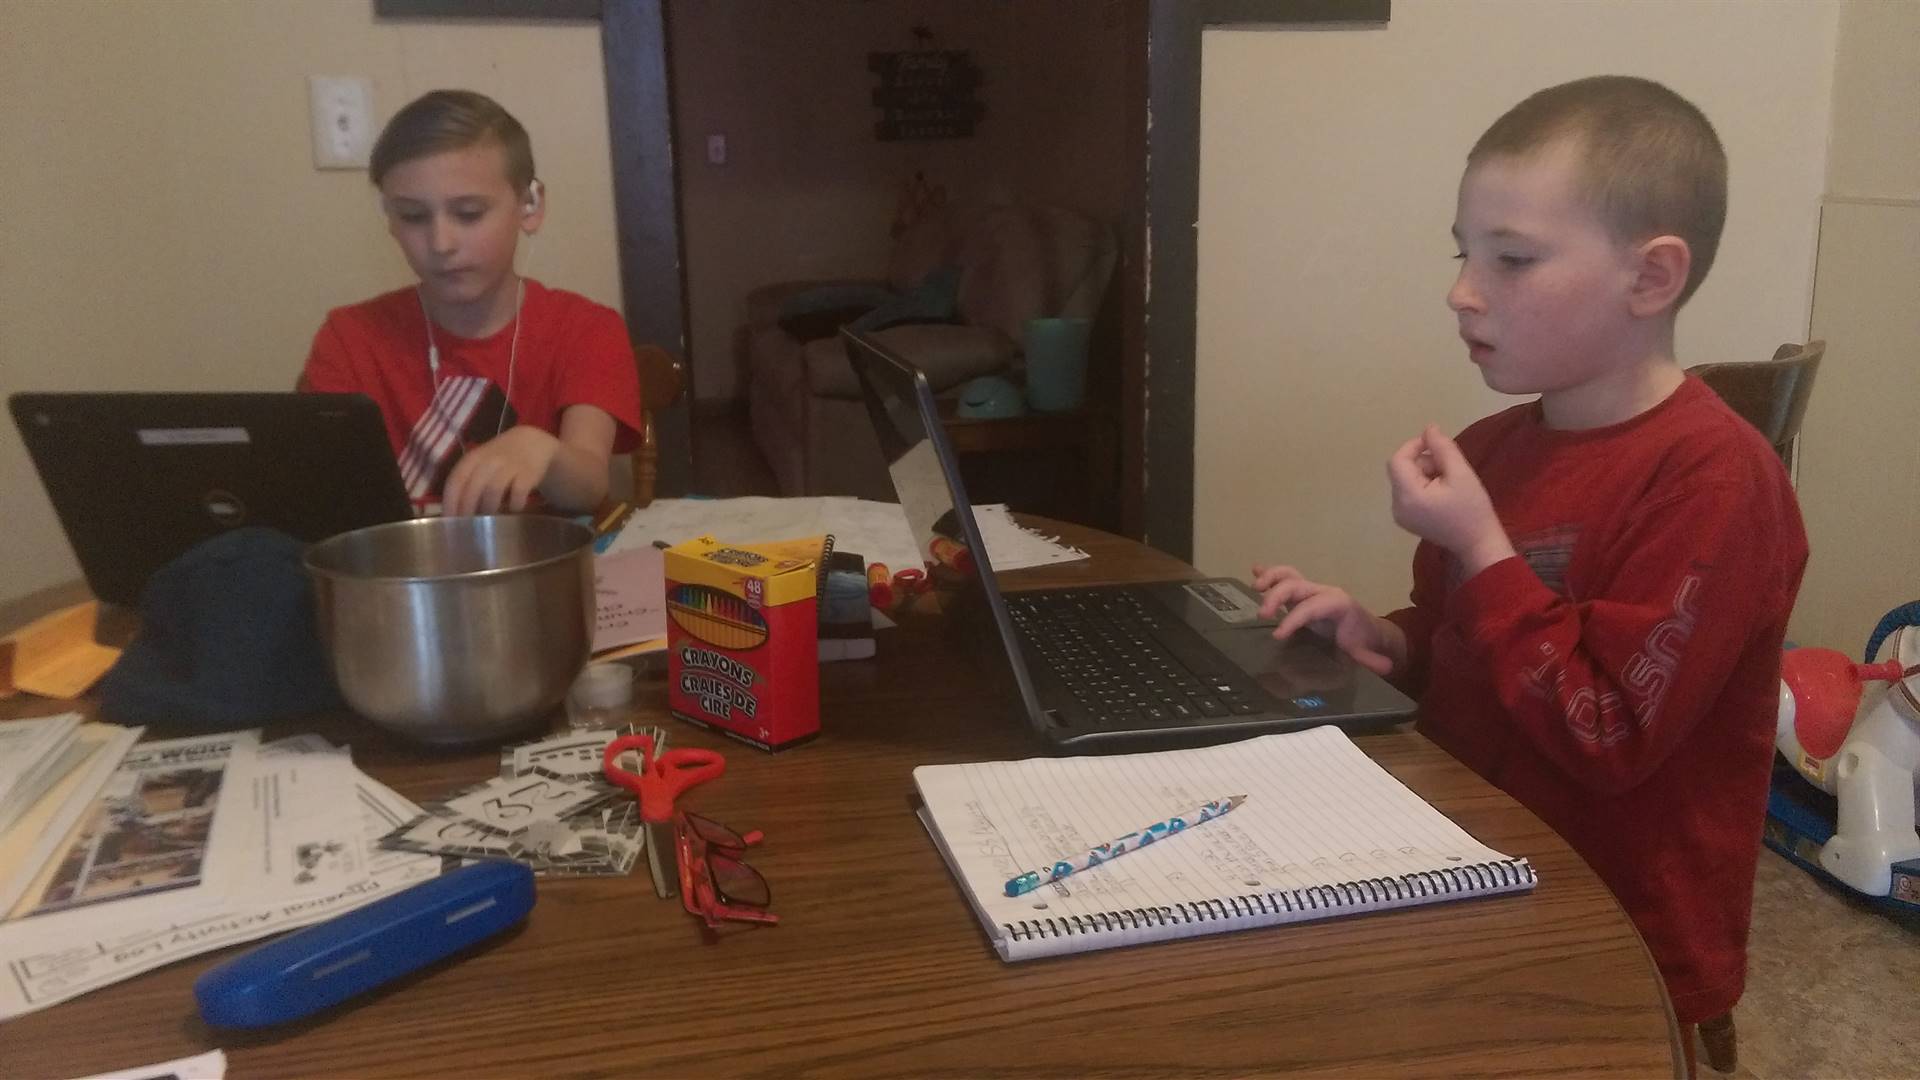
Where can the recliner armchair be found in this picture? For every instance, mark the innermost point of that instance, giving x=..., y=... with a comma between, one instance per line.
x=1000, y=266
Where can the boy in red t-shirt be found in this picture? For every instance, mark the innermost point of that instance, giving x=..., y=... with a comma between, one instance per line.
x=1605, y=573
x=495, y=388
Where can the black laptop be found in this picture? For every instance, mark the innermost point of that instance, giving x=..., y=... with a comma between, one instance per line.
x=1160, y=663
x=137, y=479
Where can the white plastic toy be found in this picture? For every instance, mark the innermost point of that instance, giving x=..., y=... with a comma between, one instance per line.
x=1853, y=730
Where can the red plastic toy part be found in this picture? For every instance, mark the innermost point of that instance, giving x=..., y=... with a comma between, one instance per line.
x=1826, y=694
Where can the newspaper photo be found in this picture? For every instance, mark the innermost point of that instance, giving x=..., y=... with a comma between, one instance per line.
x=150, y=831
x=295, y=836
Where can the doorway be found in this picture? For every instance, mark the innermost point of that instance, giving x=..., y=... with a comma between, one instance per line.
x=757, y=150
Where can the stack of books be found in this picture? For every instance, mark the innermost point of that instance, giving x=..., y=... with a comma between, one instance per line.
x=51, y=770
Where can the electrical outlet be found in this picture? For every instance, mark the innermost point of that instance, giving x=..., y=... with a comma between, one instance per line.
x=716, y=149
x=342, y=114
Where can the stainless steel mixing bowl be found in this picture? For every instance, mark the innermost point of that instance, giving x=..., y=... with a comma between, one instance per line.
x=456, y=629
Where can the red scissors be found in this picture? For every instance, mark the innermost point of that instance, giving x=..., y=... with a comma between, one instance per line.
x=661, y=779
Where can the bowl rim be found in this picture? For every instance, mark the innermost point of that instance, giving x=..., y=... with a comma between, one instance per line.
x=583, y=537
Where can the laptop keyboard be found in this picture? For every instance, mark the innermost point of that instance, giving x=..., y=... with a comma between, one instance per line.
x=1106, y=647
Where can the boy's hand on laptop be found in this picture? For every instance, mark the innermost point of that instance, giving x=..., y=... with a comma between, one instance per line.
x=501, y=473
x=1437, y=496
x=1373, y=642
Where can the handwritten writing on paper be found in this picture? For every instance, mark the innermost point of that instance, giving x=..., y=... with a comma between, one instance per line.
x=630, y=598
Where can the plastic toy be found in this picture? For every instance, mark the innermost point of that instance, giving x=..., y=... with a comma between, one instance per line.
x=1852, y=731
x=991, y=397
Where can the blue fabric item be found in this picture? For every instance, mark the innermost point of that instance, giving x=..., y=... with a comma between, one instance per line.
x=935, y=300
x=227, y=639
x=1902, y=616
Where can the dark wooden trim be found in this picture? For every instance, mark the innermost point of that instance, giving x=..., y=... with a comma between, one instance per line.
x=646, y=201
x=487, y=9
x=1173, y=211
x=1287, y=12
x=1130, y=505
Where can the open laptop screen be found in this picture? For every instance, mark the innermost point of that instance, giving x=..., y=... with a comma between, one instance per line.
x=926, y=477
x=137, y=479
x=1186, y=660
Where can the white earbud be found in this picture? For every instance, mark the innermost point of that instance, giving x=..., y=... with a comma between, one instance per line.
x=533, y=197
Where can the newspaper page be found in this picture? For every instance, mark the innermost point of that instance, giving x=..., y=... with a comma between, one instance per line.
x=158, y=826
x=308, y=851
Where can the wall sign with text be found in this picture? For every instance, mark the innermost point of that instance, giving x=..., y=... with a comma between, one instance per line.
x=926, y=94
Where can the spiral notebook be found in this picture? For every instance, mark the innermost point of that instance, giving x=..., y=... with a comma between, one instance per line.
x=1324, y=832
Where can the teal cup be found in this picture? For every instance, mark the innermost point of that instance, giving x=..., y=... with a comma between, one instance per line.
x=1057, y=364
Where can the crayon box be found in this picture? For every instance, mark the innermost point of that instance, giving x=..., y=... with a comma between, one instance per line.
x=743, y=638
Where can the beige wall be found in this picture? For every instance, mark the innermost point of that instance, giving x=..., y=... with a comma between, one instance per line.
x=808, y=191
x=166, y=228
x=1859, y=455
x=1328, y=170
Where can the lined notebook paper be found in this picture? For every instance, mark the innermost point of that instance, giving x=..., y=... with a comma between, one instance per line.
x=1324, y=832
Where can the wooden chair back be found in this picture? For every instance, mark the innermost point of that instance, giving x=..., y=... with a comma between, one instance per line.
x=1771, y=394
x=662, y=381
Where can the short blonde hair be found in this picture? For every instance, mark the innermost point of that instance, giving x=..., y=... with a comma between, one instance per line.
x=1649, y=161
x=443, y=120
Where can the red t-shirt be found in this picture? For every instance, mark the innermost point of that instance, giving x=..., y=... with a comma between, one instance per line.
x=572, y=351
x=1620, y=677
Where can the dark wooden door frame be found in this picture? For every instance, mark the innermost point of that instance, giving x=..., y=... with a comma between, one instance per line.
x=646, y=200
x=1173, y=213
x=1157, y=478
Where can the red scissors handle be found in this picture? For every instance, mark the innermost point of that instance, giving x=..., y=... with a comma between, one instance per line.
x=661, y=778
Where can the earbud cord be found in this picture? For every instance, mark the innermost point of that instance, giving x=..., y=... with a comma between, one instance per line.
x=513, y=348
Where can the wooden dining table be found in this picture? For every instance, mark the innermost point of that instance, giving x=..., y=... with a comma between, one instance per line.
x=878, y=966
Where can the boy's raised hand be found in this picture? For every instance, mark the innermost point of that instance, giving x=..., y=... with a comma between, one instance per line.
x=1373, y=642
x=1437, y=496
x=501, y=473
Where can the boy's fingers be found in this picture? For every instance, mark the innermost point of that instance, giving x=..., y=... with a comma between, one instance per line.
x=494, y=496
x=1403, y=468
x=1266, y=577
x=518, y=493
x=1320, y=605
x=456, y=501
x=1286, y=592
x=1446, y=452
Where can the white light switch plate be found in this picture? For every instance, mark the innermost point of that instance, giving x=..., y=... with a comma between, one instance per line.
x=341, y=107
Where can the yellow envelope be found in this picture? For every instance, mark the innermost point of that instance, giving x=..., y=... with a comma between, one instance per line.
x=55, y=656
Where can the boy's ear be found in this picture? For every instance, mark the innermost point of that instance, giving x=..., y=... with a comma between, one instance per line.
x=1660, y=275
x=533, y=207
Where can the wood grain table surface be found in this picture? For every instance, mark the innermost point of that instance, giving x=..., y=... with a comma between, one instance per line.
x=879, y=967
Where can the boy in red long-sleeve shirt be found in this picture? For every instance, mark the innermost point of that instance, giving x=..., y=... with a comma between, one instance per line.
x=1605, y=573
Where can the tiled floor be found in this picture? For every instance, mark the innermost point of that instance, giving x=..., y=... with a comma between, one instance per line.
x=1833, y=987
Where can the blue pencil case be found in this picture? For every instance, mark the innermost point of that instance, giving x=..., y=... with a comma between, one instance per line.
x=330, y=962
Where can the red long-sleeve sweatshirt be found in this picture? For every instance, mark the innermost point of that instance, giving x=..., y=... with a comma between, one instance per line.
x=1619, y=678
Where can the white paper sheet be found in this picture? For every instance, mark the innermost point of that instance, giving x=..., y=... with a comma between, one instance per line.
x=211, y=1065
x=630, y=597
x=876, y=531
x=307, y=823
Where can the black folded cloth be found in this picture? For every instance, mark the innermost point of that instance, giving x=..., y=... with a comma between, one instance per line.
x=227, y=639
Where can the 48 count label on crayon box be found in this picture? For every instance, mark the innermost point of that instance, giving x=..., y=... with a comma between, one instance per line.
x=743, y=638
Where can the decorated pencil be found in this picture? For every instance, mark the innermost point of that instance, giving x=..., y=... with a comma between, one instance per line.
x=1113, y=849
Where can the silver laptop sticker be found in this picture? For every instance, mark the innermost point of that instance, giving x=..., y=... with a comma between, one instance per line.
x=1230, y=604
x=192, y=436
